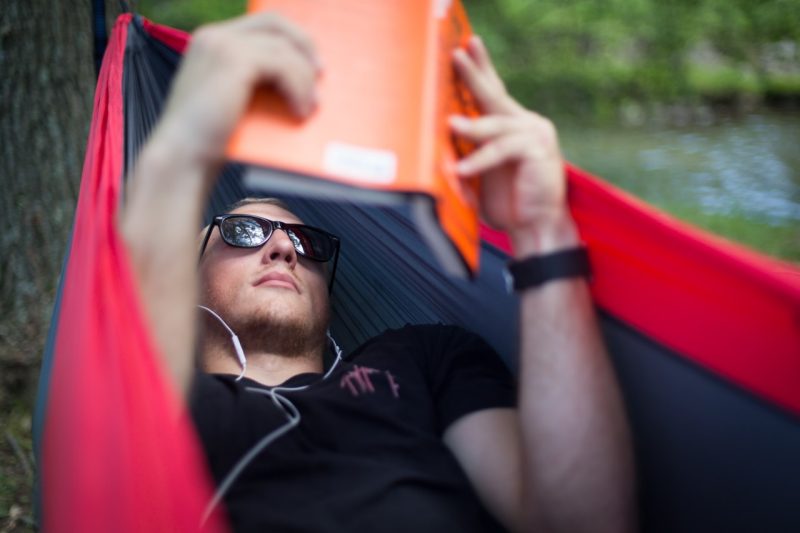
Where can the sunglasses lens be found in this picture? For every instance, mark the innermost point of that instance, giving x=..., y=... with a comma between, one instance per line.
x=248, y=232
x=243, y=232
x=311, y=243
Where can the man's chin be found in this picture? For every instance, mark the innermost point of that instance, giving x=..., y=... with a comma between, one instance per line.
x=282, y=306
x=286, y=331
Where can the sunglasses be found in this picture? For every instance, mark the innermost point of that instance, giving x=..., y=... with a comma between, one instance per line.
x=249, y=231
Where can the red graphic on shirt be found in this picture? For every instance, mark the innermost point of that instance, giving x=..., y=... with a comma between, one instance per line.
x=393, y=384
x=359, y=381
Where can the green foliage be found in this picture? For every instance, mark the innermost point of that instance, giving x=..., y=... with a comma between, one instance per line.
x=586, y=57
x=723, y=81
x=189, y=14
x=783, y=85
x=606, y=60
x=580, y=57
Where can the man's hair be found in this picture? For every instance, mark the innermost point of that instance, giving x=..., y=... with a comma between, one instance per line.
x=255, y=200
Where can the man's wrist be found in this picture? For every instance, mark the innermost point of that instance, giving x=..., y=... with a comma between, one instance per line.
x=537, y=270
x=552, y=234
x=176, y=155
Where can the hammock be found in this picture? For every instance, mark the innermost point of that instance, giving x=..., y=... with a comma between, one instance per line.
x=705, y=337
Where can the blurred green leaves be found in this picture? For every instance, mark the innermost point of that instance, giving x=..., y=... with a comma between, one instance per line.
x=629, y=61
x=587, y=57
x=189, y=14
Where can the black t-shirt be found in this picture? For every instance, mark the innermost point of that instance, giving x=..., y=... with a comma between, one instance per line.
x=367, y=454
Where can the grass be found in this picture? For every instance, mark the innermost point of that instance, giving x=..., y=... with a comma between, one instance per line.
x=787, y=85
x=713, y=82
x=16, y=470
x=780, y=241
x=724, y=81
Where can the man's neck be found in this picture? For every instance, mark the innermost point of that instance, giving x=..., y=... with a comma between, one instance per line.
x=262, y=366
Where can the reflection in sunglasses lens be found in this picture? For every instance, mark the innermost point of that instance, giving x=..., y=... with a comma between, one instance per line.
x=249, y=232
x=297, y=242
x=243, y=232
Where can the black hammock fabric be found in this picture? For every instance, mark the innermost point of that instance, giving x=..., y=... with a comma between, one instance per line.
x=704, y=337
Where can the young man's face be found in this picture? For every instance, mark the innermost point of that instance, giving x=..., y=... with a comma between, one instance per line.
x=270, y=296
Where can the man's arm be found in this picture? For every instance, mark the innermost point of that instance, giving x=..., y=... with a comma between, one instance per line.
x=563, y=460
x=177, y=167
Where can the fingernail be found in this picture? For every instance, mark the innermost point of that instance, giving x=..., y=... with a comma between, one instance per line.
x=463, y=167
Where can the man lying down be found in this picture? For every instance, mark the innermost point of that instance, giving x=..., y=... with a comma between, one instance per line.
x=420, y=429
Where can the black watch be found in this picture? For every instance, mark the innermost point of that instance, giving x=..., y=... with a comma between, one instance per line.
x=539, y=269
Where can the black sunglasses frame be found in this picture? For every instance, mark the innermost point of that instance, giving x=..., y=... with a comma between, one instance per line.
x=274, y=225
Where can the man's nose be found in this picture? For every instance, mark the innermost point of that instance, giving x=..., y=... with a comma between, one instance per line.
x=279, y=247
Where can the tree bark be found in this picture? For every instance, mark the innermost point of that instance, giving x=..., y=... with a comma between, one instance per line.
x=46, y=90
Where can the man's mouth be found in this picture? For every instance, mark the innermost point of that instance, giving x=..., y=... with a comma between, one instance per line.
x=277, y=279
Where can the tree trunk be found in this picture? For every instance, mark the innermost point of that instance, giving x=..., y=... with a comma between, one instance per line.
x=46, y=90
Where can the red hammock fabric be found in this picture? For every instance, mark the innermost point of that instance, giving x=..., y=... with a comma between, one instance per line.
x=734, y=312
x=731, y=310
x=119, y=451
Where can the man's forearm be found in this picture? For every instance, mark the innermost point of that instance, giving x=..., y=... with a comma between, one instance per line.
x=577, y=472
x=177, y=167
x=160, y=224
x=578, y=462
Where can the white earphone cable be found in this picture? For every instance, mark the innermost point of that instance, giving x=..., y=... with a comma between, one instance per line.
x=282, y=402
x=237, y=346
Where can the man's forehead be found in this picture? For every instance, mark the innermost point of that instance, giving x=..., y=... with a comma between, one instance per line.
x=272, y=212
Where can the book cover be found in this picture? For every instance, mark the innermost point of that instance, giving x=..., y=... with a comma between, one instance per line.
x=380, y=132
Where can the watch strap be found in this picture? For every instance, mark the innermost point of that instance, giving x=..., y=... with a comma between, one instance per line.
x=539, y=269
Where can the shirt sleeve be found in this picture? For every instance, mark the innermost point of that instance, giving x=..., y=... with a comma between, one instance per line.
x=464, y=373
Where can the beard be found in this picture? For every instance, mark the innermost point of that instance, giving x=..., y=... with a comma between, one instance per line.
x=291, y=336
x=277, y=329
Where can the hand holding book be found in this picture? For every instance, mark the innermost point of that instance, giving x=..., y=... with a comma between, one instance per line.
x=523, y=187
x=223, y=66
x=380, y=134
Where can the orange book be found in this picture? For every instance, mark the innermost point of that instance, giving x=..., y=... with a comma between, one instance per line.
x=380, y=132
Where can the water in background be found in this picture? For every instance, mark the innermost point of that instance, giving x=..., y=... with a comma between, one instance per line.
x=746, y=167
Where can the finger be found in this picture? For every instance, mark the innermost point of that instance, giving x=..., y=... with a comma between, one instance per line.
x=290, y=71
x=274, y=23
x=480, y=55
x=506, y=149
x=490, y=96
x=487, y=127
